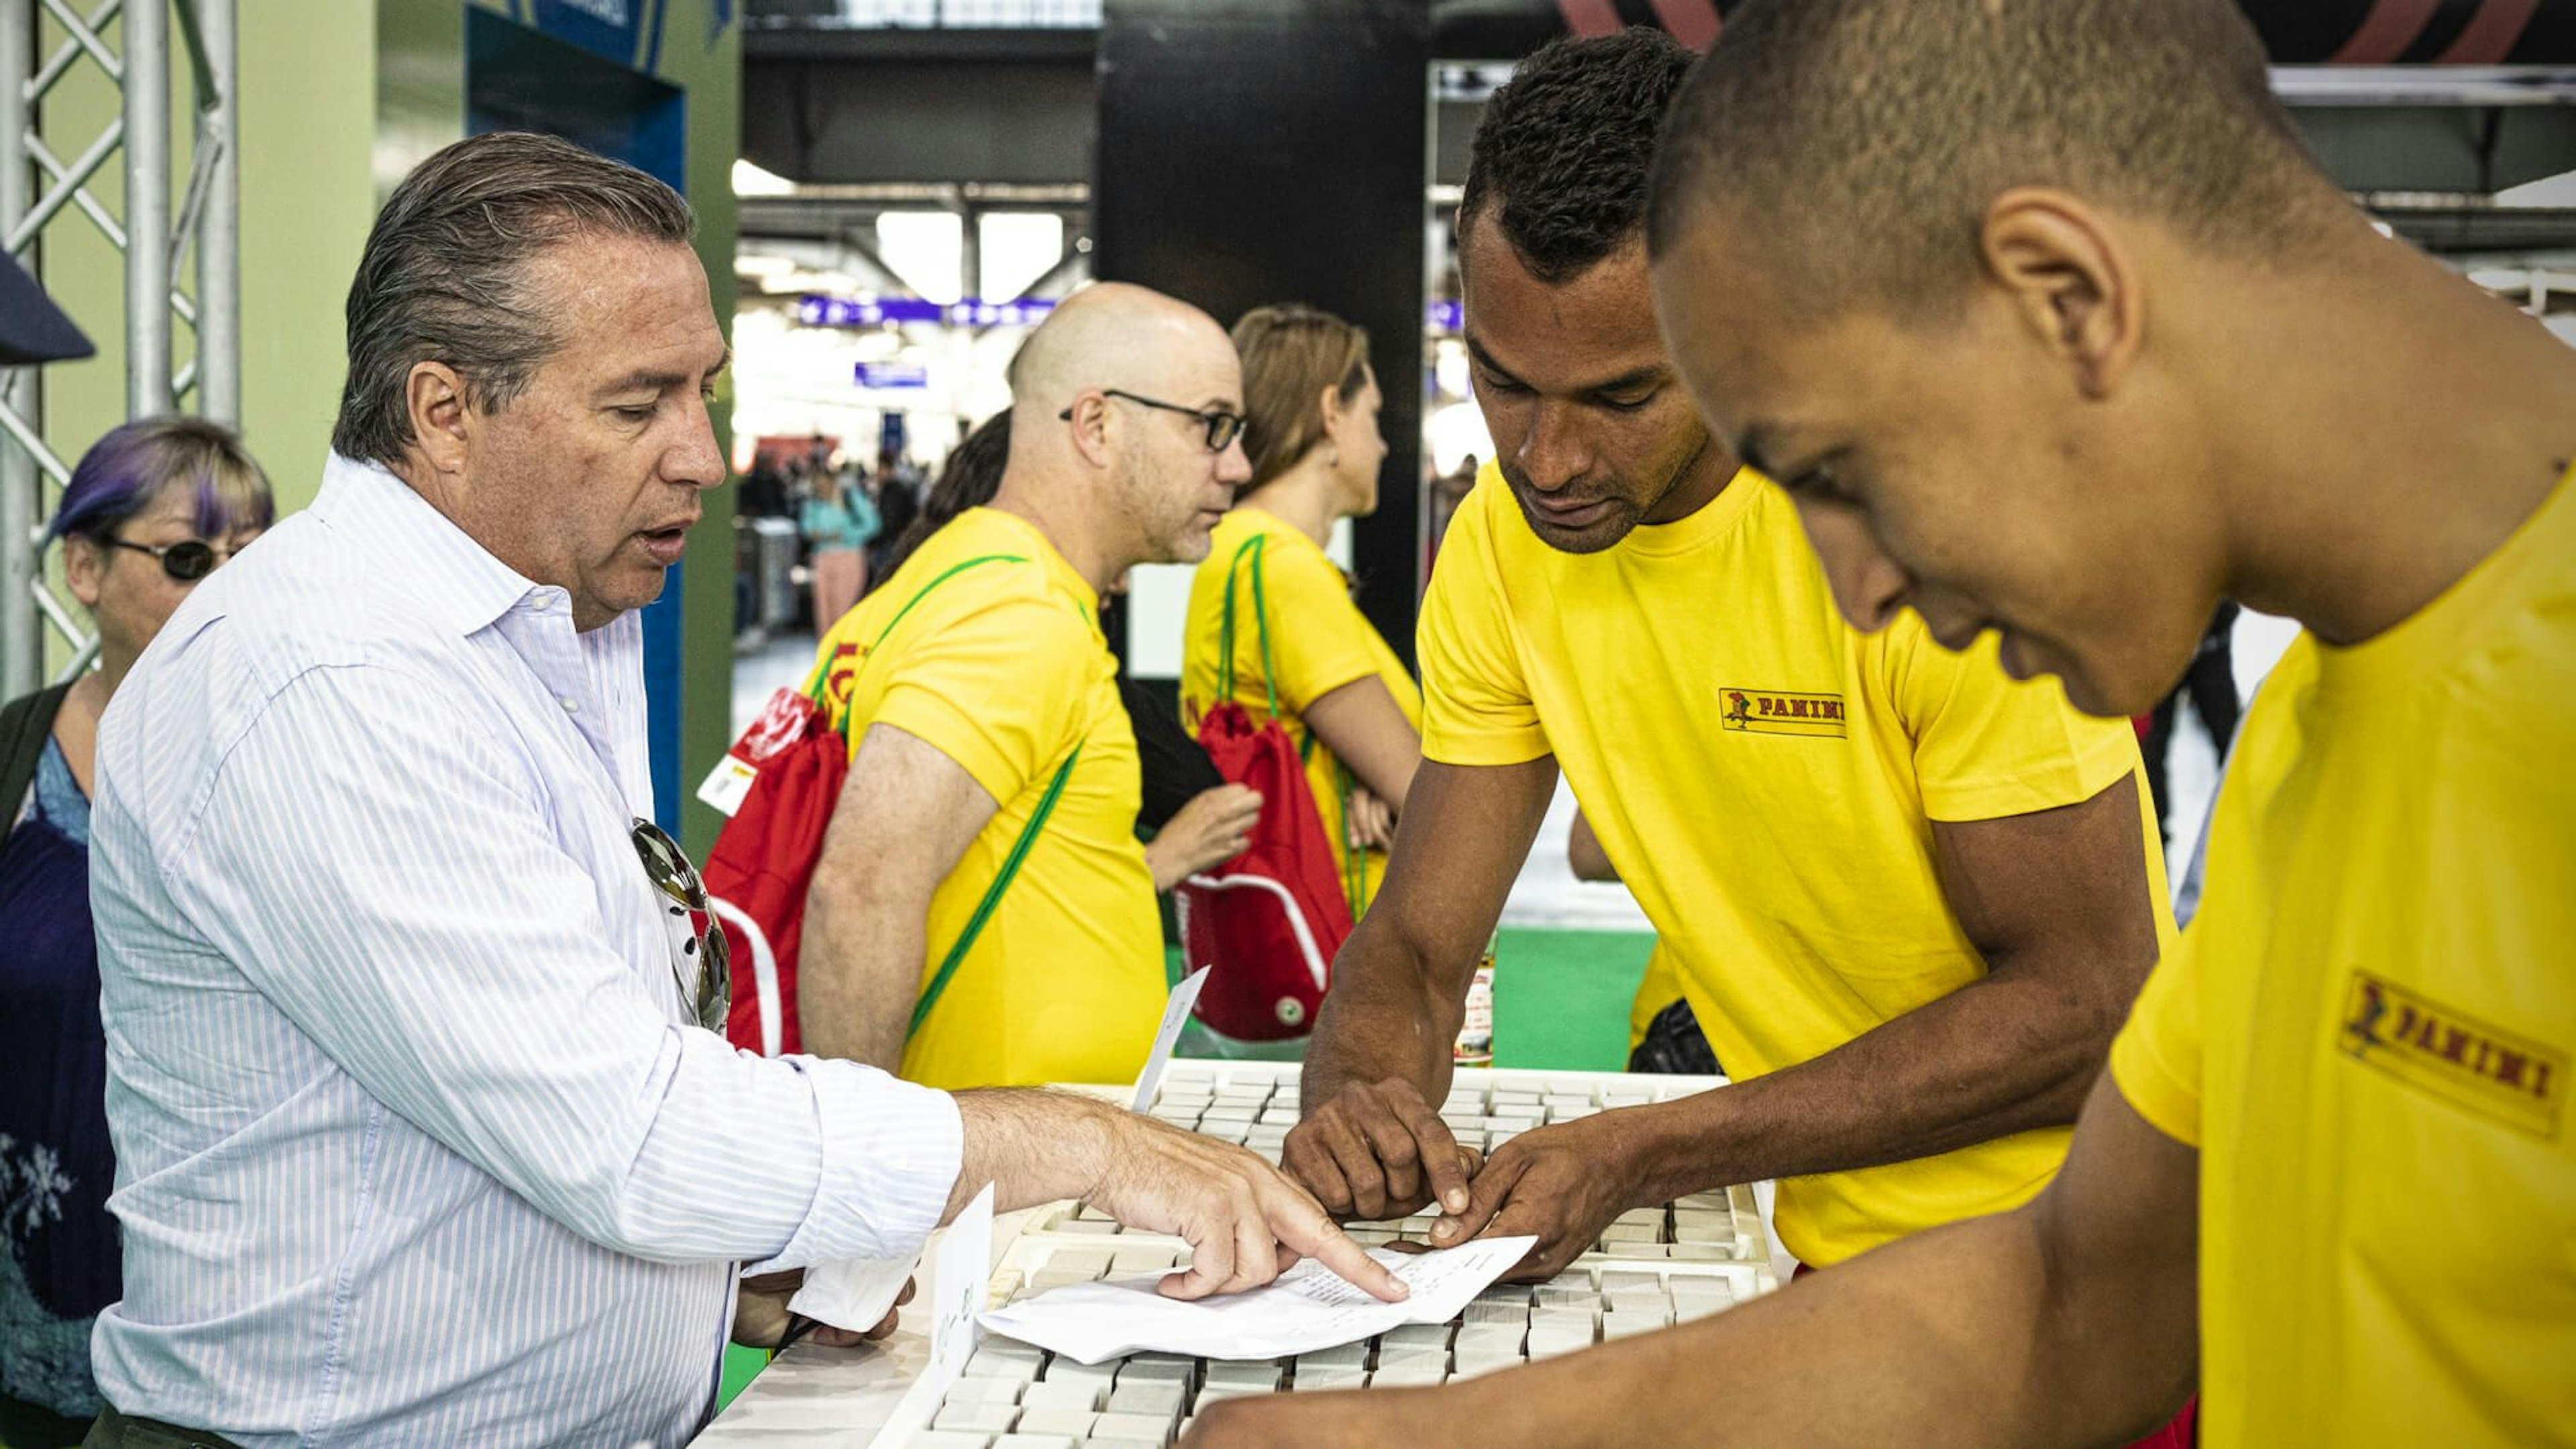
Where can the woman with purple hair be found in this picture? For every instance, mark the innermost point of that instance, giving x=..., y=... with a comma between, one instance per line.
x=153, y=507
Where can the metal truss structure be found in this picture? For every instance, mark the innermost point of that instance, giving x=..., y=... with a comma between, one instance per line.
x=41, y=188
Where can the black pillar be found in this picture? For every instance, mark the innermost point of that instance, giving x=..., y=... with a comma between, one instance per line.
x=1258, y=151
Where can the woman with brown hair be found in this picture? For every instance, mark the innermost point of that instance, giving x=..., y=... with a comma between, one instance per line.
x=1311, y=406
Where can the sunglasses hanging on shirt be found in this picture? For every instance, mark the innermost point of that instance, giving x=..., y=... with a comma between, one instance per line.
x=680, y=884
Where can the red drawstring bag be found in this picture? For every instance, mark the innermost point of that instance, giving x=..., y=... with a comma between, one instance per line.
x=780, y=783
x=764, y=858
x=1270, y=920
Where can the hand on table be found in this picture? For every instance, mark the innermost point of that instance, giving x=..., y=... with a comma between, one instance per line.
x=761, y=1318
x=1245, y=1221
x=1564, y=1183
x=1378, y=1151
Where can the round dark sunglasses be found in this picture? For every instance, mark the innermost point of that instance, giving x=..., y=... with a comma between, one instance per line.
x=187, y=561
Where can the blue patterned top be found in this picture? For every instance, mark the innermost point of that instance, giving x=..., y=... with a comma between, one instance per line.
x=56, y=1167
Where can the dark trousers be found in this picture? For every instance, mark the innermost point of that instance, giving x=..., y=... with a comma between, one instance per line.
x=115, y=1431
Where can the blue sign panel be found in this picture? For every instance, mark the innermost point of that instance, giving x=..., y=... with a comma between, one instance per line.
x=893, y=374
x=628, y=32
x=820, y=311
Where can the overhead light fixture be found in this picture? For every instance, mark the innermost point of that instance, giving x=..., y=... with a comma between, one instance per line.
x=750, y=180
x=760, y=264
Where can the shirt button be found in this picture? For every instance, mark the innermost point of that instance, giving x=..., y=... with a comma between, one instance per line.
x=571, y=705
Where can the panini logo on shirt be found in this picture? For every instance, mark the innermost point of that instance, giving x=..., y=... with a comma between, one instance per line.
x=1778, y=712
x=2452, y=1055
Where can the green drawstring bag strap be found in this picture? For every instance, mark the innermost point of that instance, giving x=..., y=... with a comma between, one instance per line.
x=1257, y=546
x=1354, y=862
x=815, y=689
x=992, y=895
x=1354, y=859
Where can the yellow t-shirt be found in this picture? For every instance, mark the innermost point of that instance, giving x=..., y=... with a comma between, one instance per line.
x=1661, y=987
x=1765, y=779
x=2367, y=1031
x=1319, y=641
x=1002, y=668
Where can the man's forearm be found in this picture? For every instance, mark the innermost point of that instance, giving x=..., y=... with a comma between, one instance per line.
x=858, y=974
x=1032, y=1146
x=1391, y=1013
x=1999, y=1056
x=1951, y=1337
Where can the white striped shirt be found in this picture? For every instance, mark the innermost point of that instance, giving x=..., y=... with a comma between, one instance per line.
x=415, y=1143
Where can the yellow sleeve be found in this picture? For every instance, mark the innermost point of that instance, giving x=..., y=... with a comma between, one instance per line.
x=2155, y=1060
x=1476, y=708
x=995, y=685
x=1318, y=637
x=1987, y=746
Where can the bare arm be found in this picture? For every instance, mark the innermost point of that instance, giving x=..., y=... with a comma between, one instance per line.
x=1361, y=723
x=2058, y=904
x=2070, y=1321
x=1583, y=852
x=1371, y=1142
x=904, y=819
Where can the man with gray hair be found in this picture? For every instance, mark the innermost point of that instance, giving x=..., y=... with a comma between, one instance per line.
x=421, y=1135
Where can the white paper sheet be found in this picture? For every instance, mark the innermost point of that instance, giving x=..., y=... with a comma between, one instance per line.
x=961, y=1270
x=1307, y=1309
x=855, y=1293
x=1176, y=1013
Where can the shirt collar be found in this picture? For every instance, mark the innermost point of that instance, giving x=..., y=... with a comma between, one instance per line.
x=461, y=584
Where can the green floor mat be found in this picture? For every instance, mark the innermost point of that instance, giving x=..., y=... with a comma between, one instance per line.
x=741, y=1366
x=1560, y=1000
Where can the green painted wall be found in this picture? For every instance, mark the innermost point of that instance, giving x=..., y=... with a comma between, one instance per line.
x=710, y=70
x=308, y=80
x=307, y=90
x=339, y=98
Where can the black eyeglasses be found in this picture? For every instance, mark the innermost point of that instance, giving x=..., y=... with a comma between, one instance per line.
x=1222, y=427
x=187, y=561
x=680, y=884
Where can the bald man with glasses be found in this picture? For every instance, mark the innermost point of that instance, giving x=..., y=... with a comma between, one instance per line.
x=983, y=914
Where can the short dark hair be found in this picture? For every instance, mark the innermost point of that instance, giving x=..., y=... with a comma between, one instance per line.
x=969, y=479
x=1861, y=141
x=442, y=278
x=1560, y=159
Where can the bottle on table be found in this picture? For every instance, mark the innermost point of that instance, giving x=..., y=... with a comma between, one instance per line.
x=1476, y=1035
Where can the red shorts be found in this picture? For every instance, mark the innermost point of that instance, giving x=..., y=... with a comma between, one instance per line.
x=2182, y=1433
